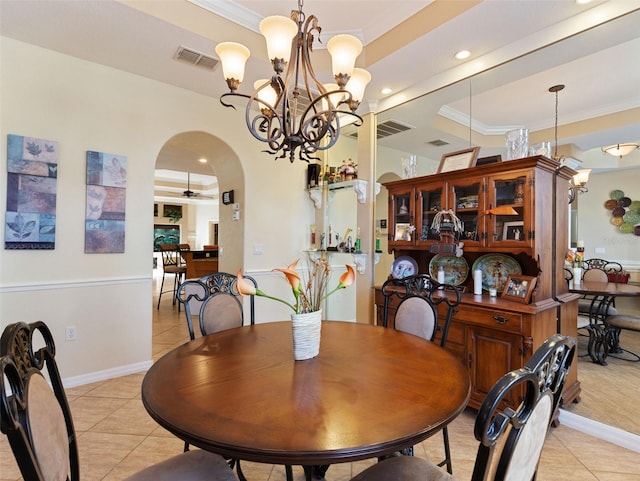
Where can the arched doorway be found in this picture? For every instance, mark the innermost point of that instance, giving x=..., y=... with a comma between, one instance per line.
x=222, y=172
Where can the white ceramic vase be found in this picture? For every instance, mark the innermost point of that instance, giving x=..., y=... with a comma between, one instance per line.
x=306, y=334
x=577, y=275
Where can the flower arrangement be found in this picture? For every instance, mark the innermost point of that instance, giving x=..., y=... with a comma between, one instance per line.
x=308, y=294
x=574, y=258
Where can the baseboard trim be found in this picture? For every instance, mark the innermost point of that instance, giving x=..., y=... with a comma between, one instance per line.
x=106, y=374
x=600, y=430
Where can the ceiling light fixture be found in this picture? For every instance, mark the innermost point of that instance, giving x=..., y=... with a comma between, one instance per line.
x=386, y=91
x=620, y=150
x=282, y=122
x=462, y=54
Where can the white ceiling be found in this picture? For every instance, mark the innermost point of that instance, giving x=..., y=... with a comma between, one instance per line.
x=142, y=36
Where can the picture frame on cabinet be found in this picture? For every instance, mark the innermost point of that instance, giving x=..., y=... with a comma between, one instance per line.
x=513, y=231
x=519, y=288
x=461, y=159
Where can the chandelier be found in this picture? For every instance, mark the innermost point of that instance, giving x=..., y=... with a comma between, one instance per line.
x=293, y=111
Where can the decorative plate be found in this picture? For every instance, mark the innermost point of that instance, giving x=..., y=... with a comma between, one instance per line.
x=404, y=266
x=455, y=269
x=496, y=268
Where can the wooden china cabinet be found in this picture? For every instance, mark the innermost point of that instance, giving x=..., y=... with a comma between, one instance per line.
x=515, y=208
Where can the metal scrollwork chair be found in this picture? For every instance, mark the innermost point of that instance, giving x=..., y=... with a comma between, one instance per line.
x=37, y=421
x=433, y=293
x=603, y=265
x=216, y=301
x=417, y=314
x=511, y=440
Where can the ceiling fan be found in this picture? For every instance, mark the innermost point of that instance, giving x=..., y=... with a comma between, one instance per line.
x=190, y=193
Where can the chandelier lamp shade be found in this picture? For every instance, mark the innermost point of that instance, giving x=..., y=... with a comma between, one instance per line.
x=293, y=112
x=620, y=150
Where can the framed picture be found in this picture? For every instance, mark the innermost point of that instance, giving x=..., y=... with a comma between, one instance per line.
x=462, y=159
x=403, y=232
x=513, y=231
x=488, y=160
x=519, y=288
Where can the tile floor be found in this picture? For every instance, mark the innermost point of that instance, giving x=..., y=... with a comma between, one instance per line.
x=116, y=436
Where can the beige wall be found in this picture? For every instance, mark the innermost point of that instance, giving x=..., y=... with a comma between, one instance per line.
x=85, y=106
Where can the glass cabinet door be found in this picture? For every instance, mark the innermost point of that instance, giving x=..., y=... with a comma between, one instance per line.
x=468, y=204
x=402, y=218
x=509, y=209
x=431, y=201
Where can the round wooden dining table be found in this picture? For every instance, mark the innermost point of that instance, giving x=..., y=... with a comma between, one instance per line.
x=370, y=391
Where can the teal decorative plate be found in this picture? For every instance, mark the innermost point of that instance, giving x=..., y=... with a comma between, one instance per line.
x=455, y=269
x=496, y=269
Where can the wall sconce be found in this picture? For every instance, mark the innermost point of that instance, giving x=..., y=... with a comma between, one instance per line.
x=578, y=184
x=620, y=150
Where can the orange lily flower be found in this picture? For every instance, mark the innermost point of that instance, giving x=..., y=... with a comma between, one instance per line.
x=292, y=275
x=348, y=277
x=244, y=287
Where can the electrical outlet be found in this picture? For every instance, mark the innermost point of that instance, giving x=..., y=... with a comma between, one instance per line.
x=70, y=333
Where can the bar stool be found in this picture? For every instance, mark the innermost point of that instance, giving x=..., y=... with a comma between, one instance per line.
x=172, y=263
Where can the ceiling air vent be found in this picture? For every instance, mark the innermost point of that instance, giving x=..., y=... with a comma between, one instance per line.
x=198, y=59
x=391, y=127
x=385, y=129
x=438, y=143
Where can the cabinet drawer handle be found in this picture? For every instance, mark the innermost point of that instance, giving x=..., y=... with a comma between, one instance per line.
x=500, y=319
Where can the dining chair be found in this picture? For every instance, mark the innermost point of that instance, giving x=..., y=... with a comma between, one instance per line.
x=594, y=305
x=172, y=263
x=425, y=287
x=37, y=420
x=417, y=314
x=511, y=439
x=215, y=300
x=603, y=265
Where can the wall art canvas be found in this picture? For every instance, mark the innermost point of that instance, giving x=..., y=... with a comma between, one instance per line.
x=32, y=173
x=106, y=201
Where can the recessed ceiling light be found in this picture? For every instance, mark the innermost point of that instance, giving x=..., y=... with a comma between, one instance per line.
x=202, y=160
x=386, y=91
x=583, y=2
x=462, y=54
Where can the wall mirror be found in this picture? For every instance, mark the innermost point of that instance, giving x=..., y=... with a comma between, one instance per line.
x=599, y=106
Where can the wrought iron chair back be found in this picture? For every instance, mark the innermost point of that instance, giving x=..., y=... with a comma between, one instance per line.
x=511, y=439
x=423, y=285
x=603, y=265
x=35, y=416
x=216, y=301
